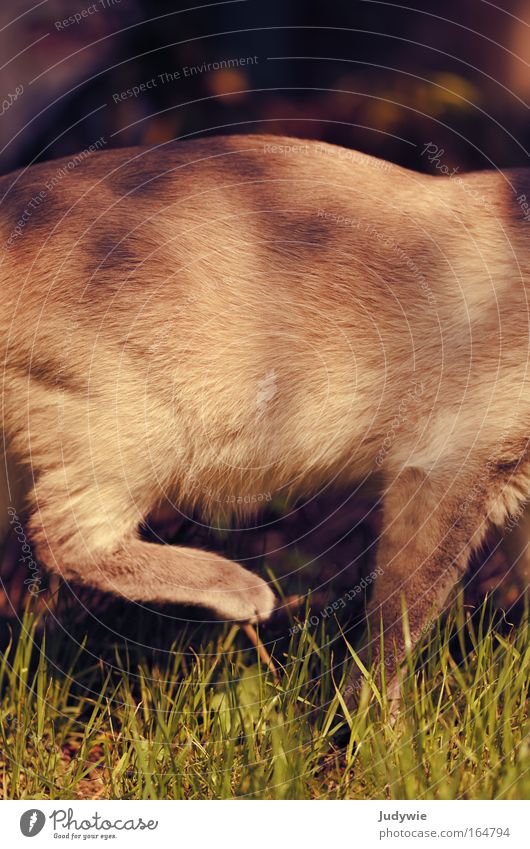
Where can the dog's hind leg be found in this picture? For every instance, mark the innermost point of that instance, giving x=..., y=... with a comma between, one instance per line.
x=516, y=546
x=428, y=535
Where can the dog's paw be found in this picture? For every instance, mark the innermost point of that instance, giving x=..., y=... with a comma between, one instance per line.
x=241, y=596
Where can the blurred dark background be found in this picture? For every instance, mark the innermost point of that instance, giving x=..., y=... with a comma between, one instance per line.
x=377, y=76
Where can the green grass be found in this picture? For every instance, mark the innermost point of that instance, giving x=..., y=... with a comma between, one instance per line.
x=203, y=720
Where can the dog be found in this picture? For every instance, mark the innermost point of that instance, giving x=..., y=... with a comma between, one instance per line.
x=203, y=322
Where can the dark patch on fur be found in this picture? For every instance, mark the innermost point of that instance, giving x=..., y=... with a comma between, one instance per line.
x=147, y=175
x=28, y=207
x=113, y=252
x=49, y=373
x=114, y=259
x=514, y=457
x=310, y=231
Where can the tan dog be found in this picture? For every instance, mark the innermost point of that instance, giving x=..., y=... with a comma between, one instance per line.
x=210, y=321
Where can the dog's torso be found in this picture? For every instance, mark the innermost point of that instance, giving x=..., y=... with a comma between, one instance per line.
x=211, y=321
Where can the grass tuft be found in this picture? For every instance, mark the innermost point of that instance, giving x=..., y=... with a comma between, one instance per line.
x=206, y=719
